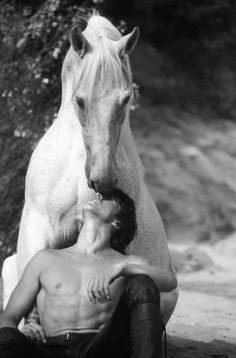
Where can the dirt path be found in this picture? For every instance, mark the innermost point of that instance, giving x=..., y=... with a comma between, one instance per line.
x=204, y=322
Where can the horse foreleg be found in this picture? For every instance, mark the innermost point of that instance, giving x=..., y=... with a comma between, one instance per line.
x=34, y=234
x=10, y=277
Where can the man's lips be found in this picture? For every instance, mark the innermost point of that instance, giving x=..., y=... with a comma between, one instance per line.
x=96, y=201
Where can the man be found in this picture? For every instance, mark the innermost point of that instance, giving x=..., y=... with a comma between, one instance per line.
x=92, y=300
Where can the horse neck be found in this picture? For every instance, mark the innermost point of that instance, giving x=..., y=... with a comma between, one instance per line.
x=127, y=142
x=126, y=137
x=67, y=117
x=68, y=77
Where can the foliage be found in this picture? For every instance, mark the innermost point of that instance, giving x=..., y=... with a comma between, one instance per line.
x=181, y=24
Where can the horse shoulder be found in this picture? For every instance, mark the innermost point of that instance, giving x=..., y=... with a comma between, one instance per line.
x=53, y=161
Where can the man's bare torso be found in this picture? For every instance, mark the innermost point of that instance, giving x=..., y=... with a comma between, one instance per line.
x=63, y=302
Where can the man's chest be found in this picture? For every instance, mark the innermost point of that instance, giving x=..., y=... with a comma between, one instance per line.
x=74, y=278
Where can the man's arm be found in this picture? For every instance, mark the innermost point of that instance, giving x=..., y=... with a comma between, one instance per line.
x=165, y=279
x=99, y=285
x=24, y=294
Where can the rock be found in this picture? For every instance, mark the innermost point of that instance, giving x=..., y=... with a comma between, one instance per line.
x=191, y=151
x=190, y=260
x=227, y=247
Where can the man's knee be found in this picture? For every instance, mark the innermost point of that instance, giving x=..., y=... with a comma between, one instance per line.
x=168, y=303
x=10, y=335
x=140, y=289
x=13, y=343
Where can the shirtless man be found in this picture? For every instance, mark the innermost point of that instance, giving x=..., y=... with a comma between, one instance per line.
x=93, y=300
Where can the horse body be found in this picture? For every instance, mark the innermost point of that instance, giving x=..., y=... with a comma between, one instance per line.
x=90, y=147
x=56, y=186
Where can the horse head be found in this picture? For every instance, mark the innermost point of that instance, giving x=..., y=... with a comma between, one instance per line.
x=101, y=95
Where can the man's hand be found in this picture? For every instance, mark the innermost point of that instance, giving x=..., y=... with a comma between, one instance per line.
x=35, y=332
x=99, y=284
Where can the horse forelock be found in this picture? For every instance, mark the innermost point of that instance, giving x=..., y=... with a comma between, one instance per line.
x=102, y=69
x=99, y=25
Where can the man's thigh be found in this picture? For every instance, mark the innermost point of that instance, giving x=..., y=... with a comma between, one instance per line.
x=114, y=338
x=14, y=344
x=137, y=312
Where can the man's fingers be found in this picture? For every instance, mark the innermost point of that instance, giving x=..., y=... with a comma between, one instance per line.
x=35, y=332
x=107, y=289
x=93, y=295
x=40, y=332
x=96, y=289
x=43, y=335
x=104, y=289
x=37, y=335
x=101, y=289
x=29, y=332
x=89, y=291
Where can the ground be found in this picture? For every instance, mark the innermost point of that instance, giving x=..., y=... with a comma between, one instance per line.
x=204, y=322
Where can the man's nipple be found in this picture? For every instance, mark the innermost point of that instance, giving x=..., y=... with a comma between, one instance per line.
x=57, y=286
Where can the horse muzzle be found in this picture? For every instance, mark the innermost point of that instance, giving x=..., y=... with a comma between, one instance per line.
x=102, y=186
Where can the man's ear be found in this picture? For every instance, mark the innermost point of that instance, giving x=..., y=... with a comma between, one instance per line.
x=116, y=224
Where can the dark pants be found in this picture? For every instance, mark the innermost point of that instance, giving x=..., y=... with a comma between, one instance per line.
x=135, y=328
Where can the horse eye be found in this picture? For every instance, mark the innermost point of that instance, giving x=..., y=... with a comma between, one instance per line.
x=80, y=102
x=126, y=99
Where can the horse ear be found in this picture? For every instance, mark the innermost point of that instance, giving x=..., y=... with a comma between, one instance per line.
x=127, y=43
x=79, y=43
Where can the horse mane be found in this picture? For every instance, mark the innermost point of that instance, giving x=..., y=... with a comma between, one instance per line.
x=103, y=69
x=63, y=239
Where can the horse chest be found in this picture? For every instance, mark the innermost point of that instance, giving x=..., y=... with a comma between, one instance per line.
x=59, y=201
x=55, y=178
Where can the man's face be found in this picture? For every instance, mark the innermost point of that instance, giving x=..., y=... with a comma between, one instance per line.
x=104, y=208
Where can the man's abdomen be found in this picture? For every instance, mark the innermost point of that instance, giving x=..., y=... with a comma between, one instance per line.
x=58, y=314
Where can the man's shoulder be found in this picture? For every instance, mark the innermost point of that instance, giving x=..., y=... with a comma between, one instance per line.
x=44, y=252
x=132, y=259
x=43, y=255
x=137, y=260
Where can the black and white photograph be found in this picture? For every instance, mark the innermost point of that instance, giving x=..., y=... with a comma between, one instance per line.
x=118, y=179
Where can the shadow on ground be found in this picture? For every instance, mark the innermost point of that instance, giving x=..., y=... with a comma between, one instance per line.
x=188, y=348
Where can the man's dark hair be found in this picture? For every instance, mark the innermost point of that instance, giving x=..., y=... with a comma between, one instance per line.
x=123, y=236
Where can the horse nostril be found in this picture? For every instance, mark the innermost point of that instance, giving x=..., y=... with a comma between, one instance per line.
x=91, y=184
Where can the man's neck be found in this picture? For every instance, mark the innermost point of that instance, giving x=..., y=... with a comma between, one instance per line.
x=94, y=239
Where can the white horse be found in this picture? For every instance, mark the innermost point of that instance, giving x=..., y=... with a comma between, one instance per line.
x=89, y=146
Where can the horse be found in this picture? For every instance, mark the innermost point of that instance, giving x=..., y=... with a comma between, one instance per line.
x=88, y=148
